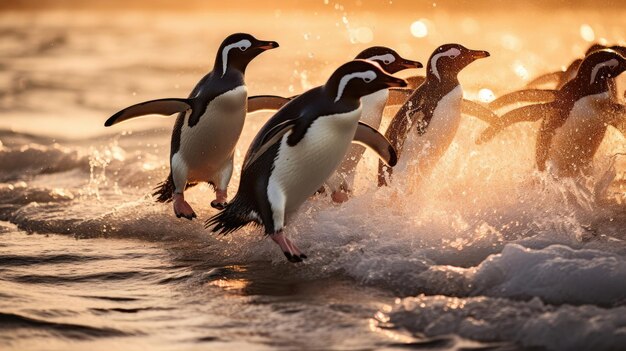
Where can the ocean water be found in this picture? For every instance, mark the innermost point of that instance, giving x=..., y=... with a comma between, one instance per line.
x=487, y=255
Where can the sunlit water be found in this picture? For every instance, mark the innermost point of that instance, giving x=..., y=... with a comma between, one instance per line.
x=487, y=254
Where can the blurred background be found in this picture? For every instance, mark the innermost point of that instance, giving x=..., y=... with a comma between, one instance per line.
x=489, y=250
x=85, y=59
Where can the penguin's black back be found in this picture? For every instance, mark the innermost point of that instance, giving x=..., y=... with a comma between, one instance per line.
x=305, y=108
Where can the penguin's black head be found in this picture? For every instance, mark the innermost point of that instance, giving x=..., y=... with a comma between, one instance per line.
x=237, y=50
x=619, y=49
x=601, y=65
x=359, y=78
x=594, y=47
x=388, y=59
x=449, y=59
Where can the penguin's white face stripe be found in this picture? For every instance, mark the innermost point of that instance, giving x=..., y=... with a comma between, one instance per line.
x=242, y=45
x=386, y=58
x=452, y=52
x=610, y=63
x=367, y=77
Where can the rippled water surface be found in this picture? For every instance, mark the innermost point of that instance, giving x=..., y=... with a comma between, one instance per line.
x=488, y=255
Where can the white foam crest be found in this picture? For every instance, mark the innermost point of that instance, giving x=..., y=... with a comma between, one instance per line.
x=583, y=276
x=529, y=324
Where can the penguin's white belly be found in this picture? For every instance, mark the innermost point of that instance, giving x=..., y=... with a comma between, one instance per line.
x=300, y=170
x=372, y=107
x=577, y=140
x=428, y=148
x=207, y=146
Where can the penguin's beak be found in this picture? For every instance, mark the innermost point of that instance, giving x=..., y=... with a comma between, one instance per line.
x=393, y=82
x=407, y=64
x=267, y=45
x=478, y=54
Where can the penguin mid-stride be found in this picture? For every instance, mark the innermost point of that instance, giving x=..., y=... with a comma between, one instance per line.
x=424, y=127
x=533, y=94
x=574, y=124
x=208, y=125
x=543, y=95
x=300, y=147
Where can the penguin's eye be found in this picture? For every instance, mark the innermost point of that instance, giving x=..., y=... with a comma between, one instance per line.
x=243, y=48
x=386, y=62
x=367, y=79
x=453, y=56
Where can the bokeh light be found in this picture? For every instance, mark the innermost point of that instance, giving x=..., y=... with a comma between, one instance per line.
x=364, y=35
x=486, y=95
x=587, y=33
x=419, y=29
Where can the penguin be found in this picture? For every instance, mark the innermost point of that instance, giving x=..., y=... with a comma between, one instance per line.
x=300, y=147
x=429, y=119
x=532, y=94
x=208, y=125
x=574, y=124
x=542, y=95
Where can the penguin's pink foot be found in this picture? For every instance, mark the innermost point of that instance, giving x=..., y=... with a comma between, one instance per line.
x=220, y=201
x=339, y=196
x=182, y=208
x=290, y=250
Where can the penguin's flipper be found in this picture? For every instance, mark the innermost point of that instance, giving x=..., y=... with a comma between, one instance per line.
x=475, y=109
x=164, y=107
x=396, y=133
x=548, y=78
x=266, y=102
x=370, y=137
x=397, y=96
x=526, y=95
x=549, y=125
x=530, y=113
x=415, y=81
x=270, y=138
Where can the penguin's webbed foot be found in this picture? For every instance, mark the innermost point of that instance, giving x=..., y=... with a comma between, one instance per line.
x=339, y=196
x=294, y=259
x=220, y=199
x=182, y=208
x=291, y=251
x=218, y=205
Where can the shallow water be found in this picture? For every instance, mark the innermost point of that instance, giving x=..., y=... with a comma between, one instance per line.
x=488, y=255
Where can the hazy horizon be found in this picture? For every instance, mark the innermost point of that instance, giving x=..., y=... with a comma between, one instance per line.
x=319, y=5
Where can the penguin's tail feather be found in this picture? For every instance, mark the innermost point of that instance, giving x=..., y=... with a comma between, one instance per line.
x=234, y=216
x=164, y=191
